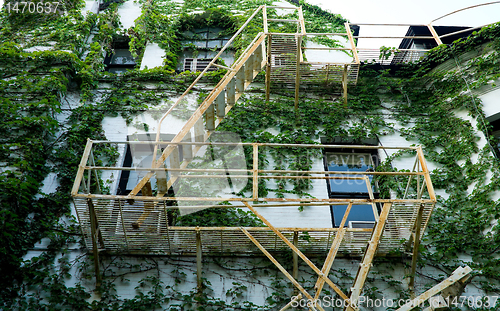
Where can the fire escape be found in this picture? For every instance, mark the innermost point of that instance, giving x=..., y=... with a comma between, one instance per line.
x=138, y=222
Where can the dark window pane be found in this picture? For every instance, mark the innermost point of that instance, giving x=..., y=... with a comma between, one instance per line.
x=349, y=162
x=362, y=212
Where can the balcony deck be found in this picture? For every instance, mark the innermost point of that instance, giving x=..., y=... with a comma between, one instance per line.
x=117, y=217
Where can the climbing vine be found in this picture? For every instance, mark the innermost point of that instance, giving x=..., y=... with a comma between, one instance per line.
x=46, y=60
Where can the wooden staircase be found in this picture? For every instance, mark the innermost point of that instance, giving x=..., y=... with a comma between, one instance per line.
x=215, y=107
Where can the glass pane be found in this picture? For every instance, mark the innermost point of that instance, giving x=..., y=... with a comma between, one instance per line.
x=362, y=212
x=349, y=162
x=122, y=57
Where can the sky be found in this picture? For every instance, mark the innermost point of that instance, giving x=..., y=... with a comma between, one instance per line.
x=419, y=12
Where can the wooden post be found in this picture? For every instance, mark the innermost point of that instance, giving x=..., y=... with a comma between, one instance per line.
x=301, y=21
x=416, y=245
x=297, y=70
x=257, y=61
x=199, y=281
x=123, y=223
x=231, y=89
x=221, y=104
x=327, y=73
x=210, y=114
x=294, y=299
x=344, y=84
x=295, y=258
x=187, y=150
x=339, y=236
x=264, y=17
x=240, y=80
x=174, y=161
x=81, y=167
x=427, y=176
x=268, y=67
x=249, y=70
x=95, y=250
x=199, y=131
x=351, y=41
x=255, y=190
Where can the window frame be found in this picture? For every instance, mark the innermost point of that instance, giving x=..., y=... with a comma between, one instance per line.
x=374, y=161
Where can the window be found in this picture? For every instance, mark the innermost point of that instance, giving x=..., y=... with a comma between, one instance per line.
x=198, y=64
x=120, y=59
x=495, y=132
x=141, y=156
x=200, y=46
x=351, y=186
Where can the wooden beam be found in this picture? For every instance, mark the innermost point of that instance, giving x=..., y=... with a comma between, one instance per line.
x=333, y=252
x=434, y=34
x=264, y=18
x=200, y=111
x=257, y=61
x=221, y=104
x=353, y=44
x=372, y=197
x=249, y=70
x=81, y=167
x=294, y=299
x=459, y=274
x=299, y=253
x=123, y=223
x=301, y=21
x=210, y=118
x=199, y=131
x=366, y=264
x=278, y=265
x=231, y=92
x=240, y=81
x=427, y=175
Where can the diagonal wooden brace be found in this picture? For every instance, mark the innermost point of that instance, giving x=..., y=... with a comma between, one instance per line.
x=333, y=252
x=458, y=275
x=279, y=266
x=365, y=265
x=298, y=252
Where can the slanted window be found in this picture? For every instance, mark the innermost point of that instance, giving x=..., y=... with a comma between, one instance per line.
x=349, y=186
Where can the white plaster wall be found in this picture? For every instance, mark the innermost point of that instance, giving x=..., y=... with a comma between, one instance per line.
x=129, y=11
x=90, y=6
x=153, y=56
x=491, y=104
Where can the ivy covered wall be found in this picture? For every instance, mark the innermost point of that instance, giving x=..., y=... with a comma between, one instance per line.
x=55, y=95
